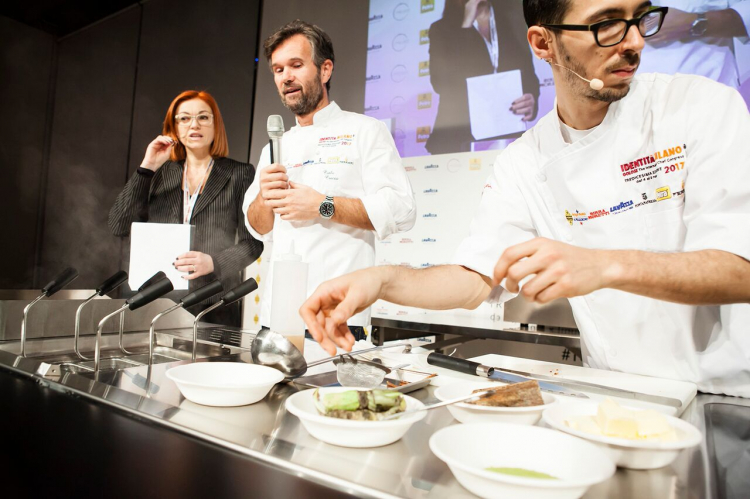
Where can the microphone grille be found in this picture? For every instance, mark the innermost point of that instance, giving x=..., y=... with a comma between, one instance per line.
x=275, y=125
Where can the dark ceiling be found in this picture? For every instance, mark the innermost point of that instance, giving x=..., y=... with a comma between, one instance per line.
x=62, y=17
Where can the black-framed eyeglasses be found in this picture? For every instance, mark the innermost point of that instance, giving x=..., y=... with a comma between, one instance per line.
x=612, y=31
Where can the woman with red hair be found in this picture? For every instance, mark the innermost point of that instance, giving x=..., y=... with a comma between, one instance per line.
x=186, y=177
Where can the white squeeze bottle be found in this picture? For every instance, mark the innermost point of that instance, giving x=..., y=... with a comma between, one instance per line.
x=289, y=292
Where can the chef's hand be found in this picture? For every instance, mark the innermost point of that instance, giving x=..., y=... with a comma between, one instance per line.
x=560, y=270
x=677, y=24
x=273, y=181
x=524, y=106
x=157, y=152
x=195, y=264
x=298, y=203
x=334, y=302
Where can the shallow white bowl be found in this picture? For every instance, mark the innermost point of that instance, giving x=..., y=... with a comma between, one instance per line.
x=346, y=433
x=468, y=449
x=633, y=454
x=470, y=413
x=224, y=384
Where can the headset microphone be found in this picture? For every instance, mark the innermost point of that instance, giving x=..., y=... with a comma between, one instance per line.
x=595, y=84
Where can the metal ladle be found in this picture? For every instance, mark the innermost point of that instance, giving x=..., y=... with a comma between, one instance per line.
x=274, y=350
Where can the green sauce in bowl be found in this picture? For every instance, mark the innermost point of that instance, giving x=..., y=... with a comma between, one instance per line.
x=523, y=473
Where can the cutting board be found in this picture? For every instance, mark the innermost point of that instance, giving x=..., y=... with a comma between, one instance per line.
x=682, y=390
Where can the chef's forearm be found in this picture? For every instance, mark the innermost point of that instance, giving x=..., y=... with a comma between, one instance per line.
x=442, y=287
x=351, y=212
x=708, y=277
x=260, y=216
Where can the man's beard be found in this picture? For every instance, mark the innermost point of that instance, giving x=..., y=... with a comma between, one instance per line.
x=307, y=102
x=606, y=94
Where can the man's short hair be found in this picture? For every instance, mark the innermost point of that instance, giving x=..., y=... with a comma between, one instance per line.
x=538, y=12
x=322, y=48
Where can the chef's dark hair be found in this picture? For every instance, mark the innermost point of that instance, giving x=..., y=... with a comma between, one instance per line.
x=322, y=47
x=538, y=12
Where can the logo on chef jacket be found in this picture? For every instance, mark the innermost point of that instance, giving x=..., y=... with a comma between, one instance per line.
x=580, y=217
x=424, y=68
x=424, y=36
x=427, y=6
x=623, y=206
x=568, y=217
x=423, y=133
x=372, y=78
x=308, y=162
x=400, y=12
x=429, y=240
x=598, y=214
x=430, y=191
x=424, y=101
x=663, y=193
x=399, y=42
x=475, y=164
x=374, y=47
x=426, y=265
x=398, y=73
x=644, y=196
x=406, y=240
x=375, y=18
x=410, y=169
x=429, y=215
x=431, y=166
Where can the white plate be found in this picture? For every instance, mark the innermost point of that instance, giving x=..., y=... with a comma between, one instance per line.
x=470, y=413
x=633, y=454
x=346, y=433
x=468, y=449
x=224, y=384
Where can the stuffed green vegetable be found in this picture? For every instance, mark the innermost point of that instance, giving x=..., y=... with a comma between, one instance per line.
x=366, y=405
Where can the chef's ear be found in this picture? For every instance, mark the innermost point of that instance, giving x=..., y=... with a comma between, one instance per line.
x=540, y=40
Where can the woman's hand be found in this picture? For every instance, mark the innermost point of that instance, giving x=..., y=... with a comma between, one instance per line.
x=195, y=264
x=157, y=152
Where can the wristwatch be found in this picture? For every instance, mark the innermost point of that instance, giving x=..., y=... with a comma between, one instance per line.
x=326, y=208
x=699, y=26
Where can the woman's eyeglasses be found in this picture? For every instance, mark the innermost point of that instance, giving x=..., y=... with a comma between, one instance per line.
x=201, y=119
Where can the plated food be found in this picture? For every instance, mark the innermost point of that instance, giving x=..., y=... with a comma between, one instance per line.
x=491, y=409
x=506, y=460
x=359, y=405
x=352, y=432
x=633, y=439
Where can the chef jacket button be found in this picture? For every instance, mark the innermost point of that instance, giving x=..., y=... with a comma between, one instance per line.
x=541, y=177
x=568, y=236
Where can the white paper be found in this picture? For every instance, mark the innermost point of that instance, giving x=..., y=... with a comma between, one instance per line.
x=154, y=247
x=490, y=98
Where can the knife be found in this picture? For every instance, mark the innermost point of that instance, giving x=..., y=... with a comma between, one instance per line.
x=477, y=369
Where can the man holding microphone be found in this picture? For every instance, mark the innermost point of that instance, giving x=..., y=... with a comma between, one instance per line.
x=341, y=182
x=631, y=199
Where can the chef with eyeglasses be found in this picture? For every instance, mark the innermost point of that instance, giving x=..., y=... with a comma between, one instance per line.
x=631, y=198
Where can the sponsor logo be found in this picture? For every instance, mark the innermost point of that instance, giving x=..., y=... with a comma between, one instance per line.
x=663, y=193
x=644, y=196
x=397, y=105
x=399, y=42
x=372, y=78
x=424, y=265
x=371, y=108
x=332, y=160
x=430, y=191
x=568, y=217
x=427, y=6
x=308, y=162
x=598, y=214
x=423, y=133
x=623, y=206
x=405, y=240
x=424, y=101
x=375, y=46
x=424, y=36
x=398, y=73
x=648, y=201
x=453, y=165
x=431, y=167
x=424, y=68
x=429, y=215
x=400, y=12
x=579, y=217
x=429, y=240
x=475, y=164
x=410, y=169
x=376, y=18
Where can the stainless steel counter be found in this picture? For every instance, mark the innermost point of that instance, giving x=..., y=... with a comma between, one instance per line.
x=407, y=468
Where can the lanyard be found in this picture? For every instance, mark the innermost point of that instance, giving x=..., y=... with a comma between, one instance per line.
x=492, y=46
x=189, y=200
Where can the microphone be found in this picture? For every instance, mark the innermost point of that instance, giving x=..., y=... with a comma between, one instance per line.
x=595, y=84
x=275, y=127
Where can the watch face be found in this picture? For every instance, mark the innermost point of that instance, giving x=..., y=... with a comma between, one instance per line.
x=326, y=209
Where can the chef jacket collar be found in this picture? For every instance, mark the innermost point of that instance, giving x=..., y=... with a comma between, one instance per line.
x=324, y=116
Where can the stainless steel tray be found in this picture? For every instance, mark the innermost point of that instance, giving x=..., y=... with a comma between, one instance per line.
x=414, y=380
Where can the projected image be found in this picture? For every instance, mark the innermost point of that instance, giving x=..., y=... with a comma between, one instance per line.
x=457, y=75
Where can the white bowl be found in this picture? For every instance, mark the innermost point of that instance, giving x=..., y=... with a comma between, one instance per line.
x=346, y=433
x=470, y=413
x=468, y=449
x=224, y=384
x=633, y=454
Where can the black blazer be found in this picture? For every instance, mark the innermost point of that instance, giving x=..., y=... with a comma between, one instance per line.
x=458, y=53
x=218, y=218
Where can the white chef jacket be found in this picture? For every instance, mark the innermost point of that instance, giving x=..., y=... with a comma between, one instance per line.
x=341, y=154
x=705, y=56
x=668, y=170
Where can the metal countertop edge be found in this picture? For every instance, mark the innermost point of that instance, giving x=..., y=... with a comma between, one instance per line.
x=299, y=471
